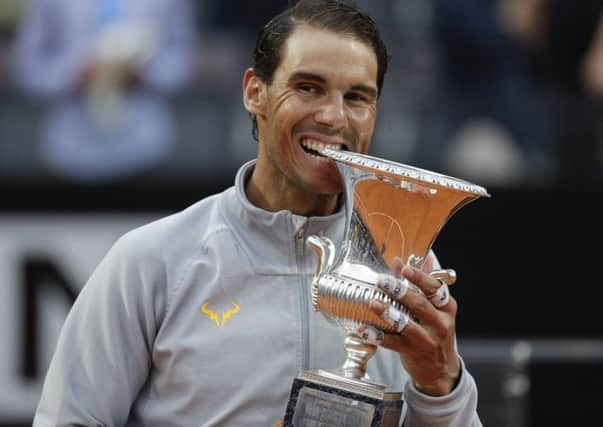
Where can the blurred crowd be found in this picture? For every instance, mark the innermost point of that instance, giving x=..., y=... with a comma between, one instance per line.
x=519, y=90
x=501, y=92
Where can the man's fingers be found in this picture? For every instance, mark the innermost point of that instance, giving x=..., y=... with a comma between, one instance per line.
x=394, y=287
x=424, y=281
x=397, y=284
x=391, y=315
x=425, y=295
x=397, y=266
x=429, y=286
x=423, y=306
x=408, y=295
x=408, y=330
x=441, y=297
x=370, y=334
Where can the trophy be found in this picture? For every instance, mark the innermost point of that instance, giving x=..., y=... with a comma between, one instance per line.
x=391, y=210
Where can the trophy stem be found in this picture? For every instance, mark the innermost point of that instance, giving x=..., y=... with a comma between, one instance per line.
x=358, y=354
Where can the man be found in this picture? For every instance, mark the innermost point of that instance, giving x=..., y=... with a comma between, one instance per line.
x=203, y=318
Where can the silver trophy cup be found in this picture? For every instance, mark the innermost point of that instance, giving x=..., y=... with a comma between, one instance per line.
x=392, y=210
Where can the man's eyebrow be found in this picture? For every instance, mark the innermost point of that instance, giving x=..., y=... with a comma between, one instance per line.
x=303, y=75
x=369, y=90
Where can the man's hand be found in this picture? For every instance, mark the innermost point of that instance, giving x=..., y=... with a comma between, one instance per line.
x=426, y=341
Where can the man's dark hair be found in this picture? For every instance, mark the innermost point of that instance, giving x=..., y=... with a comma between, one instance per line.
x=339, y=16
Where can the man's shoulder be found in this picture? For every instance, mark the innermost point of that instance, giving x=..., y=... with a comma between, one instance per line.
x=175, y=233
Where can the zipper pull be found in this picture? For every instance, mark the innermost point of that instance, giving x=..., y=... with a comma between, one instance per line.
x=299, y=241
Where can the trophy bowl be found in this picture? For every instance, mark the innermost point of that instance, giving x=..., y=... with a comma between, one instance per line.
x=392, y=211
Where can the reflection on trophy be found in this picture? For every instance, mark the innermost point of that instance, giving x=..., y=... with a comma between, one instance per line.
x=392, y=210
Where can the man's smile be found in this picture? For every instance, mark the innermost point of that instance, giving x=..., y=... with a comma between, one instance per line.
x=314, y=147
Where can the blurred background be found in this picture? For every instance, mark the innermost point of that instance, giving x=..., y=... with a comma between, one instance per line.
x=116, y=112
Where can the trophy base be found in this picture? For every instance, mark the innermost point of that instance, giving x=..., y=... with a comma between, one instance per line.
x=320, y=398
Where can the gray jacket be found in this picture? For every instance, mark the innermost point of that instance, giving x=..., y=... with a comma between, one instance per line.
x=203, y=318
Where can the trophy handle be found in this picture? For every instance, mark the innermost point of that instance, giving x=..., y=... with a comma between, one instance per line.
x=325, y=252
x=447, y=275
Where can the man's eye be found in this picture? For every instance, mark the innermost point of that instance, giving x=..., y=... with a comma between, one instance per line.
x=308, y=88
x=357, y=97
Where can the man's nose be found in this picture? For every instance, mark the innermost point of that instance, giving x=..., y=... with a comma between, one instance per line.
x=332, y=112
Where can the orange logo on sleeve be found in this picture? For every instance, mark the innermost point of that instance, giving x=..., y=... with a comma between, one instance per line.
x=213, y=316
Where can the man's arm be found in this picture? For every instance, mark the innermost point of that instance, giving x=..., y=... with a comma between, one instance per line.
x=455, y=409
x=441, y=392
x=103, y=354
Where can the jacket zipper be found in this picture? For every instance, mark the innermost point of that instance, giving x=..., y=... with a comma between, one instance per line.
x=303, y=300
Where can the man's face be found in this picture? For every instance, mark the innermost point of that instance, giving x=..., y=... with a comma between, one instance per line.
x=323, y=94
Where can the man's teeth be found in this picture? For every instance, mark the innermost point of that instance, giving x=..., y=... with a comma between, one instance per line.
x=319, y=145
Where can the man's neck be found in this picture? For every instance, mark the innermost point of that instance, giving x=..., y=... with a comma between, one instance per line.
x=288, y=197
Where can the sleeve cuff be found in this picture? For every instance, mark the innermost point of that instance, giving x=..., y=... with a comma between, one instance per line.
x=442, y=406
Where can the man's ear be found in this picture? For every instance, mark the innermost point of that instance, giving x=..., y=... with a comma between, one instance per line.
x=254, y=93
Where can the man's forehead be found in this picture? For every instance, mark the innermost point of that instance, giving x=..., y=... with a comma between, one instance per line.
x=310, y=48
x=310, y=38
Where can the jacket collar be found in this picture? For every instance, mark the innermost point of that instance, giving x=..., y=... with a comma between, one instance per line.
x=270, y=238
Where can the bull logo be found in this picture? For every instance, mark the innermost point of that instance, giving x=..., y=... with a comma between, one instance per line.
x=213, y=316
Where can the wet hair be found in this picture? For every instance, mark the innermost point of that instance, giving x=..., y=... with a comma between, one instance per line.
x=339, y=16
